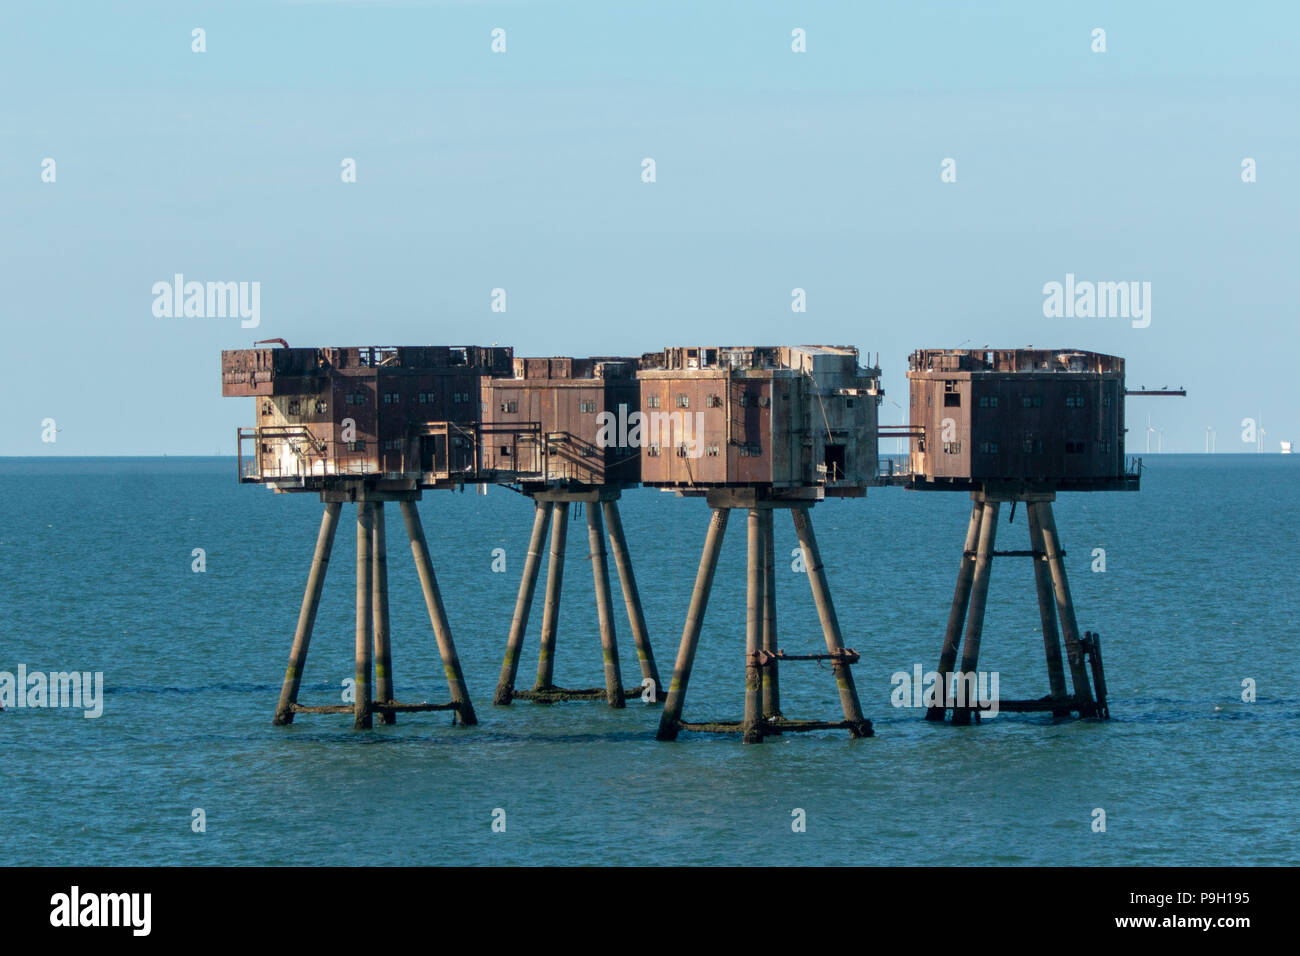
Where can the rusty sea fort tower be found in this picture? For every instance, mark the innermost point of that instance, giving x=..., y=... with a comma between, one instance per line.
x=778, y=428
x=366, y=426
x=542, y=434
x=1015, y=426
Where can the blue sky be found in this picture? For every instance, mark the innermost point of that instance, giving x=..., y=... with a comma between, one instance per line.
x=521, y=170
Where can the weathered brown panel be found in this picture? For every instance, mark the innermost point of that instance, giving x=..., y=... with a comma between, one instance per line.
x=552, y=414
x=778, y=416
x=414, y=412
x=1039, y=417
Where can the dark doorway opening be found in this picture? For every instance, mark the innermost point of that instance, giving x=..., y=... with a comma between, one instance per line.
x=834, y=462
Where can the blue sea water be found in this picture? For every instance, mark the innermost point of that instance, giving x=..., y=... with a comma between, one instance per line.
x=1199, y=594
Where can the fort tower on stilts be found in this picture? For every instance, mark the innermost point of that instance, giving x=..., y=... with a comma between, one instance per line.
x=1013, y=426
x=760, y=430
x=364, y=426
x=550, y=430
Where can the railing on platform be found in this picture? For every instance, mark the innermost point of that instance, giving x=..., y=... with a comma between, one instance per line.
x=290, y=452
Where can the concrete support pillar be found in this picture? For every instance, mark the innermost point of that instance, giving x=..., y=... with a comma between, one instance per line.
x=379, y=602
x=671, y=717
x=307, y=614
x=631, y=597
x=438, y=616
x=554, y=583
x=1065, y=611
x=770, y=676
x=604, y=607
x=362, y=718
x=859, y=726
x=970, y=653
x=523, y=603
x=1047, y=608
x=752, y=728
x=957, y=614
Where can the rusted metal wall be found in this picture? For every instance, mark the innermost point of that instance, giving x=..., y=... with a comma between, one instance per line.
x=409, y=414
x=753, y=416
x=561, y=421
x=1048, y=418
